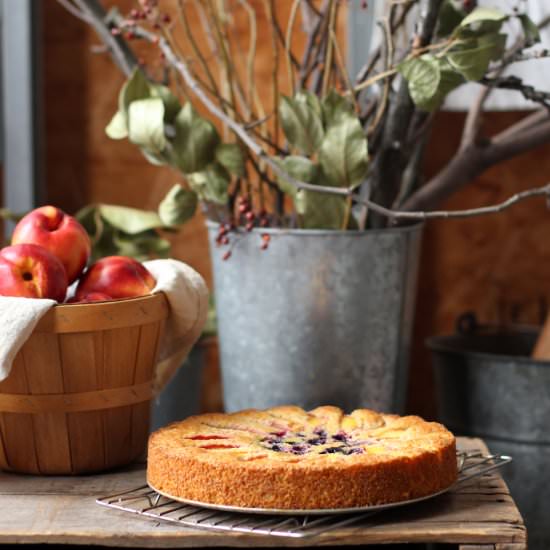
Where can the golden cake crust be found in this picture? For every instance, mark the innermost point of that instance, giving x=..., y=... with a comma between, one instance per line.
x=287, y=458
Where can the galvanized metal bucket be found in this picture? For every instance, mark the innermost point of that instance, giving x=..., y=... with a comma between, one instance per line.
x=487, y=386
x=320, y=317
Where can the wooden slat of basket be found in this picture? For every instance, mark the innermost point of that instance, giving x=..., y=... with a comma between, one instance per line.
x=82, y=359
x=17, y=429
x=44, y=376
x=147, y=352
x=103, y=315
x=119, y=360
x=96, y=400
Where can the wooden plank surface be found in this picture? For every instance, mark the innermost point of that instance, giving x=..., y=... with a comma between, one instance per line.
x=63, y=510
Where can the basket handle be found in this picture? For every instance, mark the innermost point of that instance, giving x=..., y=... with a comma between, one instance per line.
x=76, y=402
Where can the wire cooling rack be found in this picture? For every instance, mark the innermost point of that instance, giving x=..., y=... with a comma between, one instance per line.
x=146, y=502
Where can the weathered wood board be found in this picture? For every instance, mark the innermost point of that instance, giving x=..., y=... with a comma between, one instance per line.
x=63, y=510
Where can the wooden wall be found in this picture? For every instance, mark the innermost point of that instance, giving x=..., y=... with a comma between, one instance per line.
x=497, y=266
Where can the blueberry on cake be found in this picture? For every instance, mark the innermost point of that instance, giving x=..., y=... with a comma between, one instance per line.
x=288, y=458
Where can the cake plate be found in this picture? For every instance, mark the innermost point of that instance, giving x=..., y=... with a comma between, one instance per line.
x=148, y=502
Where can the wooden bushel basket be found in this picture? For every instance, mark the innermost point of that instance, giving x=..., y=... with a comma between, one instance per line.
x=78, y=396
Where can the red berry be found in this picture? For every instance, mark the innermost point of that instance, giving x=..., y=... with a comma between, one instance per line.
x=226, y=255
x=250, y=215
x=166, y=18
x=264, y=245
x=115, y=31
x=249, y=226
x=224, y=240
x=243, y=208
x=264, y=222
x=130, y=35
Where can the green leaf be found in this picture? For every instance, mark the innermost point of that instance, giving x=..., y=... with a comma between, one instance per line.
x=449, y=79
x=195, y=141
x=143, y=246
x=530, y=29
x=110, y=239
x=423, y=75
x=320, y=210
x=88, y=216
x=117, y=128
x=301, y=123
x=450, y=17
x=301, y=168
x=335, y=107
x=171, y=102
x=495, y=44
x=136, y=87
x=178, y=206
x=430, y=80
x=312, y=101
x=231, y=157
x=130, y=220
x=481, y=14
x=344, y=155
x=211, y=183
x=472, y=58
x=153, y=157
x=146, y=124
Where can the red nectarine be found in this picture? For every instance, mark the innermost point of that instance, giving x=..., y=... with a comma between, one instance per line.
x=116, y=276
x=59, y=233
x=30, y=271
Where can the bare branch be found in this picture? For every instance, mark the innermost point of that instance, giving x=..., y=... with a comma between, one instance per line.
x=251, y=49
x=327, y=69
x=73, y=10
x=288, y=43
x=524, y=124
x=472, y=123
x=464, y=167
x=473, y=161
x=517, y=84
x=122, y=55
x=375, y=56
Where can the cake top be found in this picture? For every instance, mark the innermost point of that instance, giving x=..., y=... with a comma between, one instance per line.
x=290, y=435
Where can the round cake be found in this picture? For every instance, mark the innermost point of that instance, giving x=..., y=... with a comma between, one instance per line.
x=287, y=458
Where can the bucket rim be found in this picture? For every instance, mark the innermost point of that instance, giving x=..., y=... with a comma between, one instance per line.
x=410, y=228
x=440, y=344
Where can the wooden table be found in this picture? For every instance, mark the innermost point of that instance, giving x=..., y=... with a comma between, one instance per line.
x=480, y=516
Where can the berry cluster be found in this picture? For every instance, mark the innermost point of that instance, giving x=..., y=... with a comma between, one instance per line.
x=301, y=444
x=149, y=12
x=247, y=217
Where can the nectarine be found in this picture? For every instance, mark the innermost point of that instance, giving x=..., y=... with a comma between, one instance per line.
x=30, y=271
x=116, y=276
x=59, y=233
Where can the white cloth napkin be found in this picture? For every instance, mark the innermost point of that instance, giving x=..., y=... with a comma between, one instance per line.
x=188, y=298
x=187, y=295
x=18, y=317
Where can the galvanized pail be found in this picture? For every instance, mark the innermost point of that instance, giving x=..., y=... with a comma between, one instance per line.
x=319, y=317
x=488, y=387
